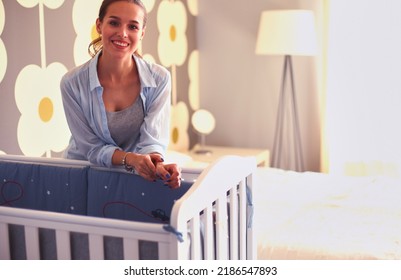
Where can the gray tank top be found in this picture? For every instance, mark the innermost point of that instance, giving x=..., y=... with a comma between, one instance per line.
x=124, y=125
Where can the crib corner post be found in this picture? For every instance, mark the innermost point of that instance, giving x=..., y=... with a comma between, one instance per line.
x=179, y=250
x=174, y=248
x=252, y=245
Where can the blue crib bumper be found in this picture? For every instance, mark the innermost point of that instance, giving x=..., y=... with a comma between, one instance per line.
x=85, y=190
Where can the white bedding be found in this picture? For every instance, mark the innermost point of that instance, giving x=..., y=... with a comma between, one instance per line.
x=319, y=216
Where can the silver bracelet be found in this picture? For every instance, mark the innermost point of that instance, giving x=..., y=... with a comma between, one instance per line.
x=127, y=167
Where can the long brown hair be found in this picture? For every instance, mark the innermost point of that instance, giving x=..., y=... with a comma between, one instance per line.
x=96, y=45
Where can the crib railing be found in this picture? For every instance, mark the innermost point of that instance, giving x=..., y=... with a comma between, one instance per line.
x=65, y=224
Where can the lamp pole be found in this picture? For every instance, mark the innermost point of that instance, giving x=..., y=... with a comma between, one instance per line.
x=283, y=109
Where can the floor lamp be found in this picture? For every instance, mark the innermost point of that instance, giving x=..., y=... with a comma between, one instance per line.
x=288, y=33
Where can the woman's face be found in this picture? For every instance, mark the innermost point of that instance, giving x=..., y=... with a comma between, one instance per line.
x=121, y=29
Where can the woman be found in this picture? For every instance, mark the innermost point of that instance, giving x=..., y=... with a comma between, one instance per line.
x=118, y=105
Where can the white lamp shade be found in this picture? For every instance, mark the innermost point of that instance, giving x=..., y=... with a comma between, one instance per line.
x=203, y=121
x=287, y=32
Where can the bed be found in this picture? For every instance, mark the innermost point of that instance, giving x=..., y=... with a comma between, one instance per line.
x=315, y=216
x=65, y=209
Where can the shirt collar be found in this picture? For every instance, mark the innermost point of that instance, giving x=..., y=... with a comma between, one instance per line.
x=93, y=78
x=145, y=74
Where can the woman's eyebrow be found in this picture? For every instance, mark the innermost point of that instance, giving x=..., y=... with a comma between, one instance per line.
x=117, y=18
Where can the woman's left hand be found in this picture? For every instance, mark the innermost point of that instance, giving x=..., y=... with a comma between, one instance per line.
x=170, y=174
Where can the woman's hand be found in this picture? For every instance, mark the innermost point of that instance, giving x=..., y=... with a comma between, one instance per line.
x=152, y=167
x=144, y=165
x=170, y=174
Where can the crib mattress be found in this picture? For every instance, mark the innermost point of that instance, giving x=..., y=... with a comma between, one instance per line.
x=319, y=216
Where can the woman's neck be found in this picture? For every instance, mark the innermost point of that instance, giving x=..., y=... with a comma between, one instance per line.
x=114, y=70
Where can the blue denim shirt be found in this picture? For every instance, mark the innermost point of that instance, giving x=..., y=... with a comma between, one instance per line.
x=86, y=114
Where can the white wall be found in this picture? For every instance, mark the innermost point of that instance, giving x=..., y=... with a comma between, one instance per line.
x=364, y=87
x=241, y=88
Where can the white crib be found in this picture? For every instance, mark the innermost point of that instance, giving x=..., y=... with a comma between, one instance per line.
x=212, y=220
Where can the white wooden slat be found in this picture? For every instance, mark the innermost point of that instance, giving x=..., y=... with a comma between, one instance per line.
x=208, y=222
x=196, y=253
x=32, y=243
x=251, y=253
x=4, y=242
x=242, y=220
x=234, y=246
x=96, y=250
x=221, y=228
x=131, y=249
x=164, y=251
x=63, y=245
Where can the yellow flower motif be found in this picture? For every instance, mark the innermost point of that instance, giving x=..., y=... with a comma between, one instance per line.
x=193, y=73
x=179, y=123
x=51, y=4
x=84, y=15
x=3, y=51
x=193, y=7
x=172, y=24
x=42, y=126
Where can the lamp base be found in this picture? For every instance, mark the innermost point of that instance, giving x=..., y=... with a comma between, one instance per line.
x=201, y=149
x=203, y=152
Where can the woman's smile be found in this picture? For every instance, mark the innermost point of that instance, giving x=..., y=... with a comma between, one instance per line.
x=120, y=44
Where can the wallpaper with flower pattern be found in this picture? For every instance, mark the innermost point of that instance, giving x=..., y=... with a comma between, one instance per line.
x=40, y=40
